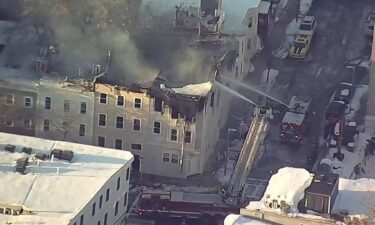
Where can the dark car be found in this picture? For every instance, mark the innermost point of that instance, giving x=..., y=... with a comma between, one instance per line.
x=350, y=133
x=344, y=92
x=335, y=111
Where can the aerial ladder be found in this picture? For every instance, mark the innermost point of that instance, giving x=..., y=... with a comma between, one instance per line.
x=233, y=192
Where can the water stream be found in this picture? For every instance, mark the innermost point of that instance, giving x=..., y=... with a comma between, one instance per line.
x=233, y=92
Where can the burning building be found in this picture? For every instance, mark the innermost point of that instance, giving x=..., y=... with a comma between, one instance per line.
x=106, y=80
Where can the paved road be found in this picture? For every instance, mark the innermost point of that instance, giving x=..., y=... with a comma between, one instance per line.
x=339, y=38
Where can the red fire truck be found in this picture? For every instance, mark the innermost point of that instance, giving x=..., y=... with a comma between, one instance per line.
x=296, y=120
x=207, y=207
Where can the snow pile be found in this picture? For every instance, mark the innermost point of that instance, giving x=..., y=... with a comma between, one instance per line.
x=356, y=197
x=304, y=6
x=355, y=103
x=201, y=89
x=288, y=185
x=233, y=219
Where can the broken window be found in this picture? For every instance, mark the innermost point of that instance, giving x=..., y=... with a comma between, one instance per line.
x=9, y=99
x=26, y=123
x=136, y=125
x=28, y=102
x=118, y=143
x=82, y=130
x=46, y=125
x=66, y=105
x=47, y=103
x=158, y=105
x=120, y=100
x=103, y=98
x=101, y=141
x=187, y=136
x=137, y=103
x=102, y=120
x=136, y=146
x=165, y=157
x=83, y=108
x=119, y=122
x=174, y=133
x=174, y=158
x=157, y=127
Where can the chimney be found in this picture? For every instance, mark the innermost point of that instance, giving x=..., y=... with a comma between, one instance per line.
x=370, y=117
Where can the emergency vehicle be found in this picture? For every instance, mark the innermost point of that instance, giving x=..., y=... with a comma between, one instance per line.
x=207, y=207
x=296, y=120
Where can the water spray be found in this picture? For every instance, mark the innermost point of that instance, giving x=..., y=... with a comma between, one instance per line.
x=233, y=92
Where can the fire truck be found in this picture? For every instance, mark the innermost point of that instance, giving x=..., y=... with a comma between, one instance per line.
x=207, y=207
x=296, y=120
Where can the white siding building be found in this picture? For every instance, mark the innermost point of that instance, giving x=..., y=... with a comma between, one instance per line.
x=90, y=189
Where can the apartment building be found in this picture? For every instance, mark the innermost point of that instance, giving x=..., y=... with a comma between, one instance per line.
x=85, y=184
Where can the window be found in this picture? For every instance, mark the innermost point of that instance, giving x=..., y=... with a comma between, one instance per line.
x=119, y=122
x=93, y=209
x=81, y=220
x=66, y=105
x=174, y=134
x=116, y=208
x=107, y=195
x=100, y=201
x=46, y=125
x=101, y=141
x=9, y=123
x=248, y=46
x=47, y=103
x=118, y=183
x=157, y=127
x=28, y=102
x=103, y=98
x=242, y=45
x=98, y=223
x=82, y=130
x=9, y=99
x=65, y=125
x=187, y=136
x=118, y=143
x=174, y=158
x=127, y=174
x=102, y=120
x=137, y=103
x=241, y=69
x=27, y=123
x=136, y=146
x=105, y=219
x=83, y=108
x=125, y=199
x=120, y=100
x=250, y=22
x=165, y=157
x=136, y=125
x=236, y=74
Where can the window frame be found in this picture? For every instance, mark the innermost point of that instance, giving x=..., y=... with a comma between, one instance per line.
x=122, y=123
x=6, y=99
x=116, y=208
x=163, y=157
x=190, y=137
x=46, y=124
x=176, y=160
x=118, y=185
x=99, y=141
x=136, y=144
x=140, y=125
x=123, y=100
x=140, y=103
x=83, y=110
x=115, y=144
x=93, y=209
x=105, y=121
x=170, y=135
x=107, y=193
x=66, y=105
x=31, y=101
x=84, y=130
x=100, y=98
x=47, y=103
x=153, y=129
x=23, y=123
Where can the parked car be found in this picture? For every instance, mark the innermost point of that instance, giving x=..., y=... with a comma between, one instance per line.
x=335, y=111
x=307, y=26
x=369, y=24
x=300, y=47
x=350, y=134
x=344, y=92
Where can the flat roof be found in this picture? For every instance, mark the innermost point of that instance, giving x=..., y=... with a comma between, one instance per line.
x=323, y=185
x=55, y=191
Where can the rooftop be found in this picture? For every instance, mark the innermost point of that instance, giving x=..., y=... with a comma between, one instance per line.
x=69, y=185
x=323, y=185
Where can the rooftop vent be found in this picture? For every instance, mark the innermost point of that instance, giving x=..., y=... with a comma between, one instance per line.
x=10, y=148
x=21, y=165
x=41, y=156
x=63, y=154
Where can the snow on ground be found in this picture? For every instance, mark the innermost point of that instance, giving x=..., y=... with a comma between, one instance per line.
x=292, y=30
x=304, y=6
x=357, y=197
x=288, y=185
x=220, y=174
x=201, y=89
x=271, y=79
x=233, y=219
x=69, y=186
x=369, y=167
x=355, y=103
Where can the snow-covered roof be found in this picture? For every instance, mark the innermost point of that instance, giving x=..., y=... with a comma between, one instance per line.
x=288, y=185
x=201, y=89
x=356, y=196
x=235, y=13
x=55, y=191
x=293, y=118
x=233, y=219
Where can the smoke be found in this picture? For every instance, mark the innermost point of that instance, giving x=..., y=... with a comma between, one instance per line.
x=84, y=31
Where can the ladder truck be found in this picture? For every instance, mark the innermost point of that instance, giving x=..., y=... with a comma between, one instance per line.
x=233, y=192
